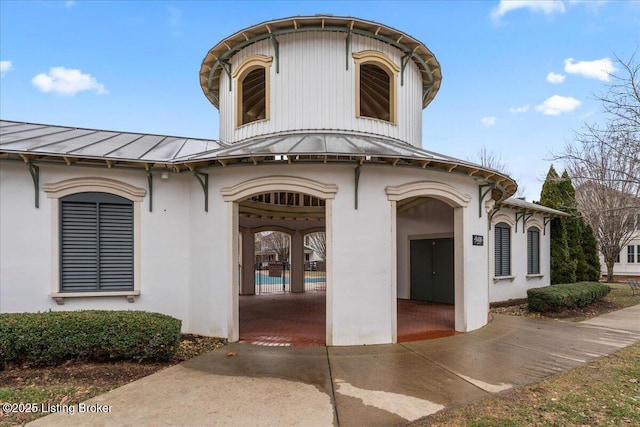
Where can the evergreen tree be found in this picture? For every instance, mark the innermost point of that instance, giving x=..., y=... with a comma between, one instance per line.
x=590, y=249
x=574, y=226
x=563, y=267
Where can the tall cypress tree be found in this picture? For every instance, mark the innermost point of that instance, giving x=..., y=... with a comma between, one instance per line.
x=573, y=225
x=563, y=268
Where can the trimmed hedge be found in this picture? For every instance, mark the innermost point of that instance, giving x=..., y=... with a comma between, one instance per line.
x=52, y=337
x=571, y=295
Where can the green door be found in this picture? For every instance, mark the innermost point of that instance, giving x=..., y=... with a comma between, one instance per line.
x=431, y=270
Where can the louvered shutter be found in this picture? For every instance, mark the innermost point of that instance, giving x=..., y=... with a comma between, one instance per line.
x=96, y=243
x=79, y=247
x=533, y=251
x=502, y=249
x=116, y=247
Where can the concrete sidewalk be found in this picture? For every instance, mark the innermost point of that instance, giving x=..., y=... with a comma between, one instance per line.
x=380, y=385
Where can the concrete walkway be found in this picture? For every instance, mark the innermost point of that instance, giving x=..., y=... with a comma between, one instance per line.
x=380, y=385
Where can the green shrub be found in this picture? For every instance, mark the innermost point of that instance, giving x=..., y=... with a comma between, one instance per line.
x=50, y=338
x=572, y=295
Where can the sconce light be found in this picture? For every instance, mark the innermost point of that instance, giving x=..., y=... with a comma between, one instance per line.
x=164, y=175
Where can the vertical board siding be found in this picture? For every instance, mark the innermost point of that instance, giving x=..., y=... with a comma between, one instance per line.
x=315, y=91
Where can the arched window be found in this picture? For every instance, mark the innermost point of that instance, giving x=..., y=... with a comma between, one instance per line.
x=533, y=250
x=502, y=249
x=96, y=243
x=375, y=86
x=252, y=90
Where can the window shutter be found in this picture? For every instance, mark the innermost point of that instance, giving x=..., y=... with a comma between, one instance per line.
x=533, y=251
x=502, y=249
x=116, y=247
x=79, y=247
x=96, y=243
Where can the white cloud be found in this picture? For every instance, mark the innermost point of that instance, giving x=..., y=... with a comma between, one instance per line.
x=65, y=81
x=555, y=78
x=5, y=66
x=488, y=121
x=600, y=69
x=547, y=7
x=519, y=110
x=556, y=105
x=69, y=3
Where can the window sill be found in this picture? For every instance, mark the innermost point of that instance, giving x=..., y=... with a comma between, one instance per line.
x=388, y=122
x=534, y=276
x=60, y=296
x=497, y=279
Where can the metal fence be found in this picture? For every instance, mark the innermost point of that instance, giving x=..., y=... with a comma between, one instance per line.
x=274, y=277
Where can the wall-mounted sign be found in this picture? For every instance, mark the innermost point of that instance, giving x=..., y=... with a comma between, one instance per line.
x=478, y=240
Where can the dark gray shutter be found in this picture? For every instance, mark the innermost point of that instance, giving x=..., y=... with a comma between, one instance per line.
x=502, y=249
x=116, y=247
x=79, y=247
x=96, y=250
x=533, y=251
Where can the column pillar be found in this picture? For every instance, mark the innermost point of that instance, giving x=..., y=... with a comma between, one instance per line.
x=297, y=262
x=248, y=286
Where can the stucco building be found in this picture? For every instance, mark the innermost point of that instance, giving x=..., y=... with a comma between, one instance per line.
x=320, y=130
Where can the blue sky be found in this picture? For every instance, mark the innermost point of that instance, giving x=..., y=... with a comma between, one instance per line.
x=518, y=76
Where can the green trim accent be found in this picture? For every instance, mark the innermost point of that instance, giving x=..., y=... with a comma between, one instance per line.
x=546, y=220
x=226, y=66
x=276, y=51
x=347, y=46
x=493, y=213
x=483, y=195
x=524, y=215
x=357, y=171
x=403, y=65
x=426, y=89
x=150, y=184
x=203, y=179
x=34, y=171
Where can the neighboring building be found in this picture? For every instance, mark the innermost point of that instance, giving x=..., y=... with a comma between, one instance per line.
x=320, y=130
x=627, y=264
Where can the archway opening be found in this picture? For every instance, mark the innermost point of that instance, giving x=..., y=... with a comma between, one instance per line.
x=282, y=298
x=425, y=268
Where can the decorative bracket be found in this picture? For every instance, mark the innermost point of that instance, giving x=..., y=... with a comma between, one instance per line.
x=34, y=170
x=547, y=220
x=357, y=171
x=403, y=63
x=493, y=213
x=226, y=66
x=482, y=195
x=347, y=45
x=203, y=179
x=150, y=184
x=276, y=50
x=524, y=215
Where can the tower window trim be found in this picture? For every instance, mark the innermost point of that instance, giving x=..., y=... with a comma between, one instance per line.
x=372, y=57
x=247, y=66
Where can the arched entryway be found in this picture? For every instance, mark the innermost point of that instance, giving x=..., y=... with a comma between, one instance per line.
x=294, y=311
x=427, y=231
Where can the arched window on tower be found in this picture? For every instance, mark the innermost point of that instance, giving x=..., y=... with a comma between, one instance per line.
x=252, y=90
x=375, y=86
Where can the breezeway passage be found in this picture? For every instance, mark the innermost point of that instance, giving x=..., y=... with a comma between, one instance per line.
x=316, y=386
x=298, y=319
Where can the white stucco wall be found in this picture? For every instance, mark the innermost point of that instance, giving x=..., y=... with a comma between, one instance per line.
x=516, y=287
x=27, y=247
x=328, y=103
x=189, y=270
